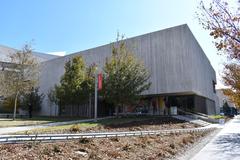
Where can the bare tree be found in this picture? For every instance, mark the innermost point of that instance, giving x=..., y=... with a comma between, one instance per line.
x=53, y=100
x=21, y=76
x=223, y=22
x=231, y=78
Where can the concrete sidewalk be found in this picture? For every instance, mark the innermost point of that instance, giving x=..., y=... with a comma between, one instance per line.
x=225, y=145
x=8, y=130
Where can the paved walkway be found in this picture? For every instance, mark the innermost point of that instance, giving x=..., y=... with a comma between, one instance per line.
x=8, y=130
x=225, y=145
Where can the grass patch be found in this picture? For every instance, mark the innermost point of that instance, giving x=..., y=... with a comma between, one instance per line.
x=217, y=117
x=112, y=124
x=85, y=125
x=58, y=128
x=20, y=122
x=8, y=122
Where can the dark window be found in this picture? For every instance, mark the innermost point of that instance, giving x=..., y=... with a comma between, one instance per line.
x=214, y=86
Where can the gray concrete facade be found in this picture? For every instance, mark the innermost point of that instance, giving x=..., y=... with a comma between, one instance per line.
x=177, y=64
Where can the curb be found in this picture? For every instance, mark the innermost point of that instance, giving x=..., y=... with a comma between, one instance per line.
x=60, y=137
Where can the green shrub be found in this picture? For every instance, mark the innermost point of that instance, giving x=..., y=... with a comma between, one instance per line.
x=84, y=140
x=75, y=128
x=56, y=149
x=217, y=117
x=46, y=151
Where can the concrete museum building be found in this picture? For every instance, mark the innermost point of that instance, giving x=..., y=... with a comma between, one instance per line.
x=181, y=74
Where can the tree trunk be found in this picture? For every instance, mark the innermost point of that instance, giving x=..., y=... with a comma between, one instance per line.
x=30, y=110
x=59, y=109
x=55, y=106
x=71, y=110
x=15, y=106
x=124, y=110
x=117, y=110
x=90, y=106
x=50, y=110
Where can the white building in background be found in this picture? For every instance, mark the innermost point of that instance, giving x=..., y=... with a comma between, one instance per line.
x=222, y=99
x=6, y=51
x=5, y=64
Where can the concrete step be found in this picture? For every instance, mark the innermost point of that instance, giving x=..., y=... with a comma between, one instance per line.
x=195, y=121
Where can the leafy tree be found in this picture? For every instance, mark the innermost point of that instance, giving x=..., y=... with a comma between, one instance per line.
x=226, y=109
x=76, y=84
x=61, y=96
x=8, y=104
x=126, y=77
x=90, y=79
x=223, y=23
x=31, y=101
x=231, y=78
x=21, y=76
x=89, y=84
x=71, y=81
x=52, y=97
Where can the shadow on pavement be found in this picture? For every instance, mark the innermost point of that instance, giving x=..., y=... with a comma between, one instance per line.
x=236, y=121
x=228, y=145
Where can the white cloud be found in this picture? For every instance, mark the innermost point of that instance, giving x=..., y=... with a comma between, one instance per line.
x=61, y=53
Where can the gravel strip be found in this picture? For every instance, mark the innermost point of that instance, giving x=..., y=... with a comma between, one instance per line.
x=192, y=150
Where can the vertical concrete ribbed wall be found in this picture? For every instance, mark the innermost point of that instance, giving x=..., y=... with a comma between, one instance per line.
x=174, y=58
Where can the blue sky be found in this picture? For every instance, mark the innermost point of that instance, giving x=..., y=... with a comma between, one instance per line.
x=74, y=25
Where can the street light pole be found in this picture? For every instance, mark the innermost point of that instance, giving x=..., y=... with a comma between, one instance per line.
x=96, y=94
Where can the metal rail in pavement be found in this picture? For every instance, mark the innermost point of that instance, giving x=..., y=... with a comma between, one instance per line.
x=59, y=137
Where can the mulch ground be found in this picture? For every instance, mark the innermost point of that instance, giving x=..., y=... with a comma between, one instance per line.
x=160, y=123
x=151, y=124
x=134, y=148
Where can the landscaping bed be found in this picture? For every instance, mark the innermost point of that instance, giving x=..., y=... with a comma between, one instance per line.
x=134, y=148
x=216, y=118
x=119, y=124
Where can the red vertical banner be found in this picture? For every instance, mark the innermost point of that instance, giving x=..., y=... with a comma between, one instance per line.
x=100, y=78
